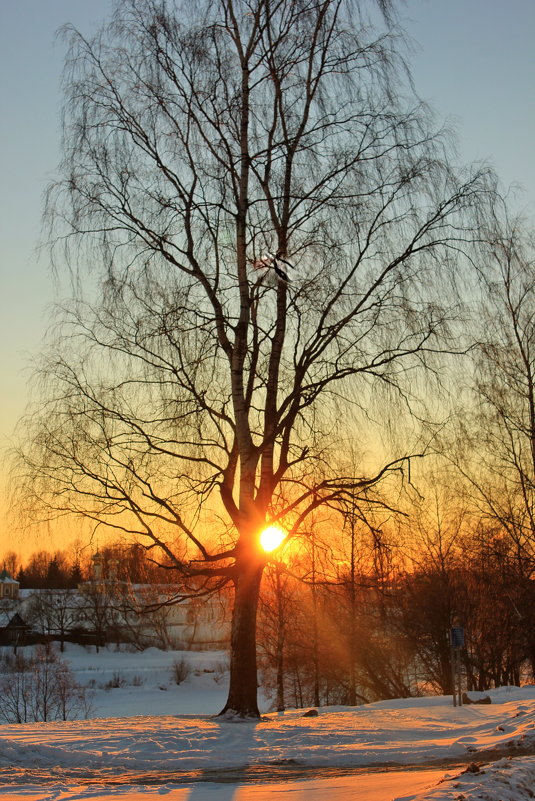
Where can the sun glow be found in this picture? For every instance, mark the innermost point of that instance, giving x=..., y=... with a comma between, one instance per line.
x=271, y=538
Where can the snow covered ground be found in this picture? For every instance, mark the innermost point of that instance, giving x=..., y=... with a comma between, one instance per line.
x=150, y=738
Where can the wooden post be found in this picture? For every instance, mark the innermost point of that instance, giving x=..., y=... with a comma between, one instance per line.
x=456, y=642
x=453, y=676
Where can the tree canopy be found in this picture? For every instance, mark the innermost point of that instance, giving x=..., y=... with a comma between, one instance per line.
x=270, y=227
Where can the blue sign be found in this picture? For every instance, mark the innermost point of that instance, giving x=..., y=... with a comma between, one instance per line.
x=457, y=637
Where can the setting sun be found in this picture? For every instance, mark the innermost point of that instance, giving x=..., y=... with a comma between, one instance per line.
x=271, y=538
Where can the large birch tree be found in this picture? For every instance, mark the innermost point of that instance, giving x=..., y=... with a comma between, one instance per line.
x=270, y=229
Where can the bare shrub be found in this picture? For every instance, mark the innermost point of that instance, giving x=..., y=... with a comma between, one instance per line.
x=221, y=671
x=41, y=688
x=117, y=680
x=180, y=670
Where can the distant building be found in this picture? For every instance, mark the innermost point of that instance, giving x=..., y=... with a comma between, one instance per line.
x=145, y=614
x=105, y=609
x=9, y=588
x=13, y=629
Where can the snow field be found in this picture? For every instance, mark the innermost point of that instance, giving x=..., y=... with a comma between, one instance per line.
x=148, y=729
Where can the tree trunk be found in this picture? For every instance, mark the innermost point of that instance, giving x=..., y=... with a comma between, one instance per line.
x=315, y=633
x=352, y=618
x=242, y=695
x=280, y=645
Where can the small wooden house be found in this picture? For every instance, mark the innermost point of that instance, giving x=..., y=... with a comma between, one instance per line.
x=13, y=629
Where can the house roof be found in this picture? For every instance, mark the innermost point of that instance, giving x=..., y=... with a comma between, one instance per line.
x=16, y=621
x=9, y=619
x=7, y=578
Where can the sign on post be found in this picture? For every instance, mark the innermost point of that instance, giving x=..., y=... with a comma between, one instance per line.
x=456, y=642
x=457, y=637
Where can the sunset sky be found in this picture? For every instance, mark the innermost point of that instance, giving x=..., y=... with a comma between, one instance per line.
x=474, y=61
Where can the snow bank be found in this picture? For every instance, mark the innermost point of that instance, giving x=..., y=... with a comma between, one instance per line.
x=506, y=780
x=342, y=737
x=146, y=742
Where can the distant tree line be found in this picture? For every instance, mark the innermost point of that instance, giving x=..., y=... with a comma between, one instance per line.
x=66, y=569
x=362, y=616
x=117, y=595
x=380, y=628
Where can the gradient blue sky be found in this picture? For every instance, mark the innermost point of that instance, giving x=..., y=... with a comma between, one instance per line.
x=474, y=61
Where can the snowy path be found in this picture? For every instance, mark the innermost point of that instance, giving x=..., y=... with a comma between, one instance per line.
x=507, y=780
x=383, y=786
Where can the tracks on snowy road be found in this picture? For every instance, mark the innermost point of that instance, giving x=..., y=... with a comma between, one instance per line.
x=287, y=770
x=257, y=774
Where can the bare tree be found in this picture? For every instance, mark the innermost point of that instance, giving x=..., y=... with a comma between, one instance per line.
x=275, y=226
x=504, y=390
x=40, y=688
x=497, y=608
x=11, y=562
x=17, y=684
x=275, y=613
x=144, y=612
x=98, y=611
x=53, y=613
